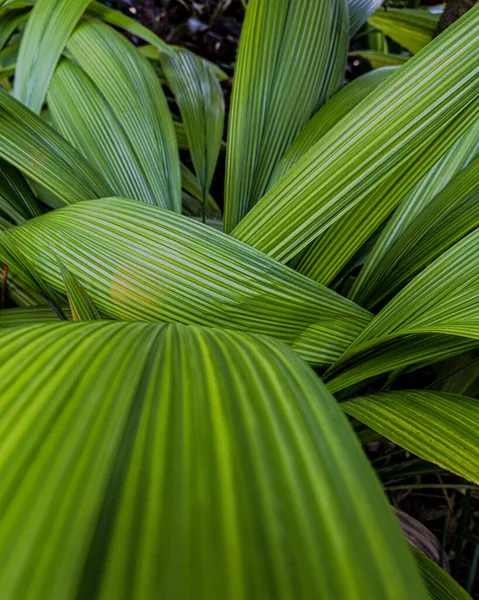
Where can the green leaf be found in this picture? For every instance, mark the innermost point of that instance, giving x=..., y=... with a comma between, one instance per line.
x=291, y=59
x=83, y=116
x=15, y=191
x=380, y=59
x=359, y=12
x=48, y=28
x=139, y=262
x=439, y=427
x=81, y=305
x=31, y=315
x=423, y=323
x=247, y=483
x=129, y=85
x=400, y=117
x=42, y=155
x=200, y=100
x=434, y=215
x=9, y=21
x=328, y=115
x=410, y=28
x=333, y=250
x=440, y=585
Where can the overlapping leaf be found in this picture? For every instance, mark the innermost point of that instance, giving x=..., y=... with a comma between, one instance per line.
x=359, y=12
x=48, y=29
x=411, y=28
x=435, y=214
x=400, y=117
x=332, y=250
x=439, y=427
x=236, y=485
x=327, y=116
x=130, y=86
x=42, y=155
x=291, y=58
x=200, y=100
x=138, y=262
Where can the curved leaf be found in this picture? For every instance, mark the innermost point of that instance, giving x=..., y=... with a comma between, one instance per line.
x=48, y=29
x=328, y=115
x=291, y=58
x=200, y=100
x=15, y=191
x=359, y=12
x=248, y=483
x=332, y=250
x=400, y=117
x=411, y=28
x=83, y=116
x=138, y=262
x=32, y=146
x=81, y=305
x=425, y=224
x=130, y=86
x=439, y=427
x=440, y=585
x=31, y=315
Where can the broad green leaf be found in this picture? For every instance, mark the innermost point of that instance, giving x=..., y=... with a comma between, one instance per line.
x=359, y=12
x=399, y=118
x=83, y=116
x=410, y=28
x=439, y=584
x=332, y=250
x=439, y=427
x=31, y=315
x=201, y=103
x=380, y=59
x=139, y=262
x=291, y=59
x=328, y=115
x=81, y=305
x=129, y=85
x=434, y=215
x=48, y=28
x=42, y=155
x=247, y=483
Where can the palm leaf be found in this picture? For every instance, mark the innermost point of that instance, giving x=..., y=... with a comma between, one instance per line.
x=18, y=200
x=409, y=27
x=83, y=116
x=359, y=13
x=48, y=28
x=291, y=58
x=439, y=427
x=130, y=87
x=333, y=250
x=424, y=225
x=200, y=100
x=42, y=155
x=81, y=305
x=248, y=483
x=139, y=262
x=328, y=115
x=31, y=315
x=440, y=585
x=400, y=117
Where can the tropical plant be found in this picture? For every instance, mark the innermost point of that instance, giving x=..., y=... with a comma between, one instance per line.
x=163, y=435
